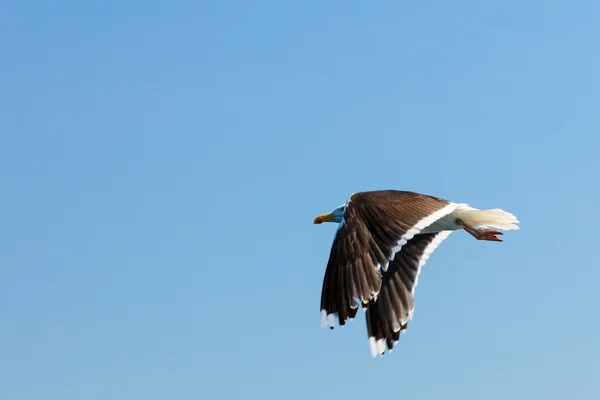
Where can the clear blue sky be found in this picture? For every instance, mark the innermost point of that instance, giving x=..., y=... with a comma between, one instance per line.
x=161, y=165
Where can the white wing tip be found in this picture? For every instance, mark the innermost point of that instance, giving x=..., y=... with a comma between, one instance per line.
x=327, y=320
x=373, y=346
x=377, y=347
x=381, y=346
x=331, y=320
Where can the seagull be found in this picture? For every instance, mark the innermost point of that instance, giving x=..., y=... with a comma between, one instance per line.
x=383, y=239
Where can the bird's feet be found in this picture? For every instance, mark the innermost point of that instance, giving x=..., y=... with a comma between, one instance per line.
x=488, y=234
x=482, y=234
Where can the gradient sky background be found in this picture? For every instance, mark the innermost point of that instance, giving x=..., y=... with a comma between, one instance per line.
x=161, y=166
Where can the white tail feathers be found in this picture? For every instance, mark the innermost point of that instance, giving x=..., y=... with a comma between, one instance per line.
x=496, y=218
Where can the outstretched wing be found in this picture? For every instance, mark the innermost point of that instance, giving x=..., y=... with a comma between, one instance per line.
x=389, y=314
x=375, y=227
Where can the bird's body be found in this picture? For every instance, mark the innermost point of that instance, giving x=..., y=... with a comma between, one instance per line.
x=383, y=239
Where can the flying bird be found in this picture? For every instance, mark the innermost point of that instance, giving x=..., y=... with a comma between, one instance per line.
x=383, y=239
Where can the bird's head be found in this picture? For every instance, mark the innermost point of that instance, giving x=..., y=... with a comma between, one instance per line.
x=333, y=216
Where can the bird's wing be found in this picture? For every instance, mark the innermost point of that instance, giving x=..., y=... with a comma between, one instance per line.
x=389, y=314
x=375, y=227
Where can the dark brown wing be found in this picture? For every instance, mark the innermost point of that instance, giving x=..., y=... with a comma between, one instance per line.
x=375, y=226
x=389, y=313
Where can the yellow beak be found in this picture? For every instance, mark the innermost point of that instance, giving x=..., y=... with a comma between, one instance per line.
x=324, y=218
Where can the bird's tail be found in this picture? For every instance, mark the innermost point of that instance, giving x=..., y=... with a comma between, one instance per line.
x=496, y=218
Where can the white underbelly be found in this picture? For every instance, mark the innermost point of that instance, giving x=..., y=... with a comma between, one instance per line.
x=446, y=223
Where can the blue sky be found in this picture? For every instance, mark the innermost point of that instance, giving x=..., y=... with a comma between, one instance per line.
x=161, y=166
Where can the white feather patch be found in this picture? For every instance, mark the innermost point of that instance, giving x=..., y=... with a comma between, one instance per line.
x=323, y=318
x=331, y=320
x=373, y=346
